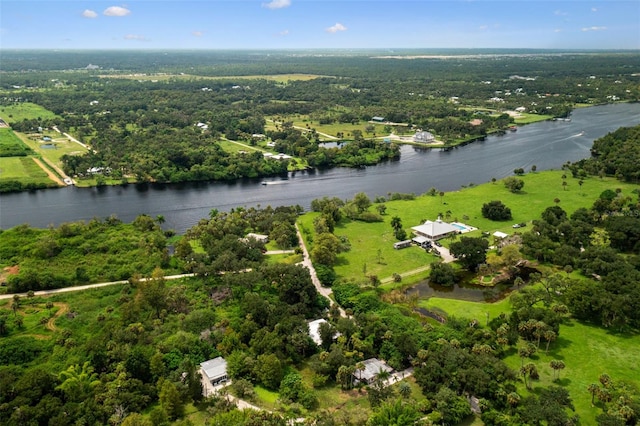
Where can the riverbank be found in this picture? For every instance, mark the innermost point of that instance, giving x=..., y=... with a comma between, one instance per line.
x=547, y=145
x=372, y=252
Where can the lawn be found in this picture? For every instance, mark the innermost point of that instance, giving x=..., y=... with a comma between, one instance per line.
x=61, y=146
x=372, y=243
x=372, y=251
x=11, y=145
x=24, y=110
x=23, y=169
x=586, y=350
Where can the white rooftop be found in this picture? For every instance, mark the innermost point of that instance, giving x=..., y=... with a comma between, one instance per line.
x=214, y=368
x=314, y=330
x=435, y=229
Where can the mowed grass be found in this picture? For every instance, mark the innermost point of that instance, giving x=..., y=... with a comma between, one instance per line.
x=62, y=146
x=372, y=251
x=372, y=243
x=587, y=351
x=23, y=169
x=24, y=110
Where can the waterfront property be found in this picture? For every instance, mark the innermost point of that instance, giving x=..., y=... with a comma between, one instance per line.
x=424, y=137
x=435, y=230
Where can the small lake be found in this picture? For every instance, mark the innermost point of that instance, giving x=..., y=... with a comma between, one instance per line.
x=468, y=292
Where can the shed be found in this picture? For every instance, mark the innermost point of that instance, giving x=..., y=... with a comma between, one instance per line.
x=377, y=119
x=215, y=370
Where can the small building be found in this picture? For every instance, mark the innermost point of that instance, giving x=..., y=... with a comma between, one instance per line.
x=314, y=330
x=500, y=235
x=215, y=370
x=435, y=230
x=377, y=119
x=402, y=244
x=258, y=237
x=424, y=137
x=372, y=367
x=46, y=139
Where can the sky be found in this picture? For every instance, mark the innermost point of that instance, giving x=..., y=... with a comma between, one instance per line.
x=319, y=24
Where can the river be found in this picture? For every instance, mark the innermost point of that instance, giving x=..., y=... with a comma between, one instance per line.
x=547, y=145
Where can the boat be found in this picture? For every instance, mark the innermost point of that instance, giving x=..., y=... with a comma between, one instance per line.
x=513, y=128
x=263, y=182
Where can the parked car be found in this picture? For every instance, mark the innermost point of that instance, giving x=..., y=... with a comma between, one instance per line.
x=520, y=225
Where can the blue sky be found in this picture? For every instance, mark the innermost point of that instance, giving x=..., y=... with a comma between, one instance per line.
x=301, y=24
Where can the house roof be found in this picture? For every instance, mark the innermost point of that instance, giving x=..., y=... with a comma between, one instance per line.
x=500, y=234
x=314, y=330
x=420, y=239
x=435, y=229
x=372, y=367
x=214, y=368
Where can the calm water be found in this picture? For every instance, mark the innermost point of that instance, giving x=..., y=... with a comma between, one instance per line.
x=547, y=145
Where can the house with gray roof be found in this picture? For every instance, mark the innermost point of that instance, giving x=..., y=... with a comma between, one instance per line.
x=435, y=230
x=372, y=367
x=215, y=370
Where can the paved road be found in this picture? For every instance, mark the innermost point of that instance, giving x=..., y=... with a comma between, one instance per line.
x=86, y=287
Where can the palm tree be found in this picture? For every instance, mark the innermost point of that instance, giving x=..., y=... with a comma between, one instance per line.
x=360, y=368
x=549, y=336
x=593, y=389
x=557, y=365
x=15, y=305
x=404, y=389
x=513, y=399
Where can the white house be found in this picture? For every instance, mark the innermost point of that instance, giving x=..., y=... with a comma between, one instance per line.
x=435, y=230
x=424, y=137
x=215, y=370
x=372, y=367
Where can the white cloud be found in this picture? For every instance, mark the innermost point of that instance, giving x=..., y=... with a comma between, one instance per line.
x=585, y=29
x=560, y=13
x=135, y=37
x=337, y=27
x=89, y=14
x=483, y=27
x=277, y=4
x=283, y=33
x=557, y=30
x=594, y=9
x=198, y=33
x=116, y=11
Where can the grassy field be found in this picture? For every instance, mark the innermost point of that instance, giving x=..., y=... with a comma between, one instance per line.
x=363, y=258
x=372, y=243
x=24, y=110
x=61, y=146
x=23, y=169
x=587, y=352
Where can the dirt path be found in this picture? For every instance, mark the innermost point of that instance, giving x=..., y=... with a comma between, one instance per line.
x=306, y=262
x=51, y=324
x=49, y=173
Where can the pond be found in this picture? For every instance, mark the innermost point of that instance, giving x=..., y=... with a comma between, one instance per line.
x=467, y=288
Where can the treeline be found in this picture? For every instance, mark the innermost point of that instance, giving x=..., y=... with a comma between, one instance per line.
x=615, y=154
x=604, y=244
